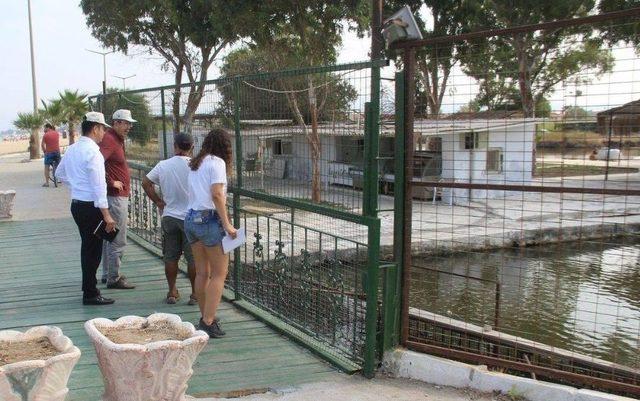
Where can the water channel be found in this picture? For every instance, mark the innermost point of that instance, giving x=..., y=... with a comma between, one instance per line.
x=582, y=296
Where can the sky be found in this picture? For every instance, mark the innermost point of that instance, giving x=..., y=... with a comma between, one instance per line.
x=61, y=61
x=61, y=38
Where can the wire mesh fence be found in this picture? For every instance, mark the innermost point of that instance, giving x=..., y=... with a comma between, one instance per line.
x=525, y=199
x=297, y=187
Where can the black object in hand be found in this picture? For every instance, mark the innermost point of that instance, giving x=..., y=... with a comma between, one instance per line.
x=101, y=232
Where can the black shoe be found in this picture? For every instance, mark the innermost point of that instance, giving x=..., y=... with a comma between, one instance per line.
x=121, y=284
x=97, y=300
x=213, y=329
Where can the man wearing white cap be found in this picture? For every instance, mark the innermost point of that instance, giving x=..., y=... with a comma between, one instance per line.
x=118, y=188
x=82, y=169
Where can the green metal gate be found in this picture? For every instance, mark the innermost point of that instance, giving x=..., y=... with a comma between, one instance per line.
x=305, y=186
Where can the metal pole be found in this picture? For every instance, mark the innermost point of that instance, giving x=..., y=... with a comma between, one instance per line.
x=606, y=172
x=236, y=195
x=164, y=125
x=409, y=62
x=376, y=29
x=33, y=64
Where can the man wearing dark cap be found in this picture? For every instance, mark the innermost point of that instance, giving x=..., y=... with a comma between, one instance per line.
x=172, y=176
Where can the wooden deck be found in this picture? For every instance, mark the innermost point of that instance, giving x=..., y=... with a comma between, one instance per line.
x=40, y=285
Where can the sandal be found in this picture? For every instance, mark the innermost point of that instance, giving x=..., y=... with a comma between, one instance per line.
x=192, y=300
x=172, y=299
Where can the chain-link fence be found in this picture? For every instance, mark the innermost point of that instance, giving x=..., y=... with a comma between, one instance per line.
x=299, y=185
x=524, y=202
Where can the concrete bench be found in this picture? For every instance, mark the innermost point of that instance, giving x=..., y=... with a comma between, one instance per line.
x=6, y=203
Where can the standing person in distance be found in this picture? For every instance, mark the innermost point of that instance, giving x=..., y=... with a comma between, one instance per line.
x=206, y=223
x=82, y=169
x=118, y=187
x=172, y=176
x=50, y=145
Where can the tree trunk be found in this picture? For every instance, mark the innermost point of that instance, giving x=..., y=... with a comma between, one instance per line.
x=34, y=144
x=314, y=144
x=524, y=78
x=176, y=99
x=72, y=132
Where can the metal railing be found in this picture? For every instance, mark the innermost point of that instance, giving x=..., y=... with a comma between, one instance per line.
x=311, y=262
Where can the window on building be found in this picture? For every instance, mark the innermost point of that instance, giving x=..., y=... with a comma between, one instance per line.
x=495, y=160
x=470, y=140
x=281, y=147
x=474, y=140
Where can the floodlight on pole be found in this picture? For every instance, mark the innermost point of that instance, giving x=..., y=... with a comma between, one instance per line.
x=124, y=79
x=104, y=62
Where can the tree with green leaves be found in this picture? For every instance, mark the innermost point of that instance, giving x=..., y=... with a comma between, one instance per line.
x=189, y=35
x=335, y=95
x=520, y=70
x=626, y=30
x=307, y=33
x=145, y=126
x=436, y=63
x=32, y=122
x=53, y=112
x=74, y=106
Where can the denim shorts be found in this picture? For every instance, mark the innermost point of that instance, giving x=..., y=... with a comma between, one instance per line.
x=204, y=226
x=51, y=157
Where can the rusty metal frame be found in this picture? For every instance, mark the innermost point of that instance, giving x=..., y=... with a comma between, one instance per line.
x=545, y=26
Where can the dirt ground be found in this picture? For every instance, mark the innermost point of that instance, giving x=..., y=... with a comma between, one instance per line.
x=143, y=334
x=17, y=351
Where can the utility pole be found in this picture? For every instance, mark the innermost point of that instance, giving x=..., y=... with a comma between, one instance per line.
x=33, y=64
x=124, y=79
x=104, y=64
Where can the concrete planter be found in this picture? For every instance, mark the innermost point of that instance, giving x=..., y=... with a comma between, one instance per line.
x=38, y=380
x=157, y=371
x=6, y=203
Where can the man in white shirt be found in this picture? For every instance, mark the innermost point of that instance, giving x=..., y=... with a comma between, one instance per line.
x=82, y=169
x=172, y=177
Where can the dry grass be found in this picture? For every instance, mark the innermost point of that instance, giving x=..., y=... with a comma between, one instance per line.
x=547, y=170
x=148, y=154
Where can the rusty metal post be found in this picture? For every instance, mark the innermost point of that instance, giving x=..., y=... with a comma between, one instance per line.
x=409, y=62
x=496, y=316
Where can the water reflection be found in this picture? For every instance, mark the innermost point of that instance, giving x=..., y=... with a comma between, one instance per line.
x=584, y=297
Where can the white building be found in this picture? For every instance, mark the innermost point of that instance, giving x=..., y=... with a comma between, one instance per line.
x=463, y=151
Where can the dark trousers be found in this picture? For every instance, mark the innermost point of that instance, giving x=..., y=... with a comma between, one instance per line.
x=87, y=218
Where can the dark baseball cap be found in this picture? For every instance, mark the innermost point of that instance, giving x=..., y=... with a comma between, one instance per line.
x=184, y=141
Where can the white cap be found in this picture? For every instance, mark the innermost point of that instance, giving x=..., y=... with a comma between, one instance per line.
x=96, y=117
x=123, y=114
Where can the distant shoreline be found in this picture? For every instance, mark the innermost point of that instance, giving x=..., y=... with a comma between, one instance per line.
x=21, y=146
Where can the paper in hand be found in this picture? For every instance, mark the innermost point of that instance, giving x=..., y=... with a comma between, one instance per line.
x=229, y=244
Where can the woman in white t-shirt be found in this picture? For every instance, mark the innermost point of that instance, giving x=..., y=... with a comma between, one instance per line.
x=207, y=221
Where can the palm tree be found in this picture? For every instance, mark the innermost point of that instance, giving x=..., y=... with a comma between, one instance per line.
x=75, y=106
x=54, y=112
x=32, y=122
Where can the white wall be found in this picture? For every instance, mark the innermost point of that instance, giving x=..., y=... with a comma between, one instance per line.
x=462, y=165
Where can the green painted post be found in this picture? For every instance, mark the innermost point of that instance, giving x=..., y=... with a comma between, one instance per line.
x=371, y=146
x=164, y=125
x=371, y=318
x=236, y=195
x=392, y=290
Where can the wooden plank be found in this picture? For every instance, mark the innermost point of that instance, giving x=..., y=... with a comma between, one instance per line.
x=252, y=354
